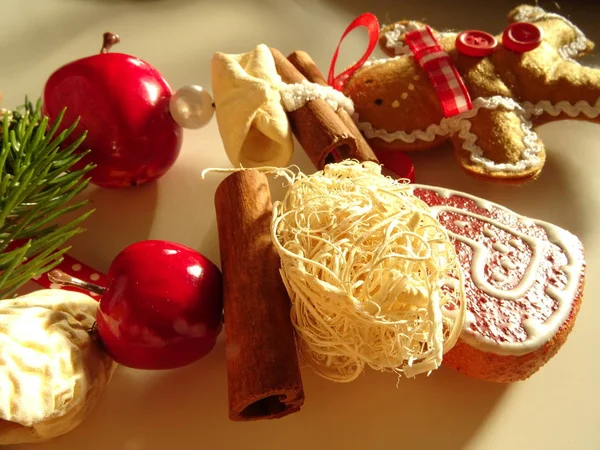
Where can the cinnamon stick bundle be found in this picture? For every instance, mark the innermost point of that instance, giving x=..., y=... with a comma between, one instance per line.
x=307, y=67
x=263, y=373
x=317, y=127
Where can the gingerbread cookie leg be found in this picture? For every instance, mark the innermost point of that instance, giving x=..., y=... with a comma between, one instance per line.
x=572, y=93
x=496, y=140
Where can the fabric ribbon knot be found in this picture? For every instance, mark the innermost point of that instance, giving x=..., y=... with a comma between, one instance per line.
x=447, y=82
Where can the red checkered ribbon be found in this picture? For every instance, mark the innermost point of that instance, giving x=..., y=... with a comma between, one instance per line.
x=448, y=84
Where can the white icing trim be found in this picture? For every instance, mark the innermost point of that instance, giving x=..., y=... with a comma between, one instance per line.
x=462, y=125
x=374, y=62
x=295, y=96
x=535, y=13
x=538, y=333
x=570, y=109
x=392, y=37
x=528, y=13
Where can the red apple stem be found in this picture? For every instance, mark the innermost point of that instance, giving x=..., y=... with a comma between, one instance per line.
x=63, y=279
x=109, y=39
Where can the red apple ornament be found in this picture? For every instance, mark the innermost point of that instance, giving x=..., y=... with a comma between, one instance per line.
x=162, y=306
x=133, y=119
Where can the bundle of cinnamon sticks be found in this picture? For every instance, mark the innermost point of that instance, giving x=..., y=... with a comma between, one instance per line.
x=325, y=135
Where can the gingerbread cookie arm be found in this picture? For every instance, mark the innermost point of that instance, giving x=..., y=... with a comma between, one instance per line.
x=497, y=140
x=559, y=33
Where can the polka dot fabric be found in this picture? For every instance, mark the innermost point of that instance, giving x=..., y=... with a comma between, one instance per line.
x=76, y=269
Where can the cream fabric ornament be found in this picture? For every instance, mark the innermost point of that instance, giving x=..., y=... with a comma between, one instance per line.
x=250, y=116
x=52, y=372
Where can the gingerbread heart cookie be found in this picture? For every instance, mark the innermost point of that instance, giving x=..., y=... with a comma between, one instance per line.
x=484, y=93
x=523, y=280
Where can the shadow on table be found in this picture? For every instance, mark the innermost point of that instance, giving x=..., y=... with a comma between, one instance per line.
x=444, y=410
x=187, y=408
x=126, y=215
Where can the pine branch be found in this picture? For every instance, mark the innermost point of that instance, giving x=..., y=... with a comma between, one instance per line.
x=37, y=184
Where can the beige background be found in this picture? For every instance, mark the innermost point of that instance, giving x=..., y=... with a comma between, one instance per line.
x=559, y=408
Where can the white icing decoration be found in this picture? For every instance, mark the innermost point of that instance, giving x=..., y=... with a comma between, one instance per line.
x=570, y=109
x=488, y=232
x=392, y=37
x=461, y=223
x=538, y=333
x=500, y=247
x=461, y=125
x=374, y=62
x=515, y=243
x=295, y=96
x=508, y=264
x=498, y=276
x=481, y=254
x=451, y=283
x=527, y=221
x=568, y=51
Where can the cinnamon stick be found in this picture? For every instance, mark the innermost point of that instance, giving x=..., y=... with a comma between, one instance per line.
x=307, y=67
x=318, y=129
x=263, y=373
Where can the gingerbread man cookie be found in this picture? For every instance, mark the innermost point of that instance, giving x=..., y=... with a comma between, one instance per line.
x=484, y=93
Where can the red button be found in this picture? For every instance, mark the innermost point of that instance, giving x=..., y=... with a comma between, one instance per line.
x=522, y=37
x=476, y=43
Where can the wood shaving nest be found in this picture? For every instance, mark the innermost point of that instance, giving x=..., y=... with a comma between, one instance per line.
x=373, y=277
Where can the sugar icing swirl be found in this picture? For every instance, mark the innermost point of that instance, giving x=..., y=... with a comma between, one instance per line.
x=538, y=332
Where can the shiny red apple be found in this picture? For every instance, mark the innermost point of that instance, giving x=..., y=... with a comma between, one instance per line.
x=123, y=104
x=162, y=306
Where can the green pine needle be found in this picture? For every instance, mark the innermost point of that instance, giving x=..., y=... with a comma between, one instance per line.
x=36, y=188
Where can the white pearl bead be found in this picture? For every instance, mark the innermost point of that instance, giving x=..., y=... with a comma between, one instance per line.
x=191, y=107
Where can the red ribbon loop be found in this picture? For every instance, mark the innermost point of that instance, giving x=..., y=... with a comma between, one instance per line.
x=369, y=21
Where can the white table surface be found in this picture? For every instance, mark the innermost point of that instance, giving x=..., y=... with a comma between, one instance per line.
x=558, y=408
